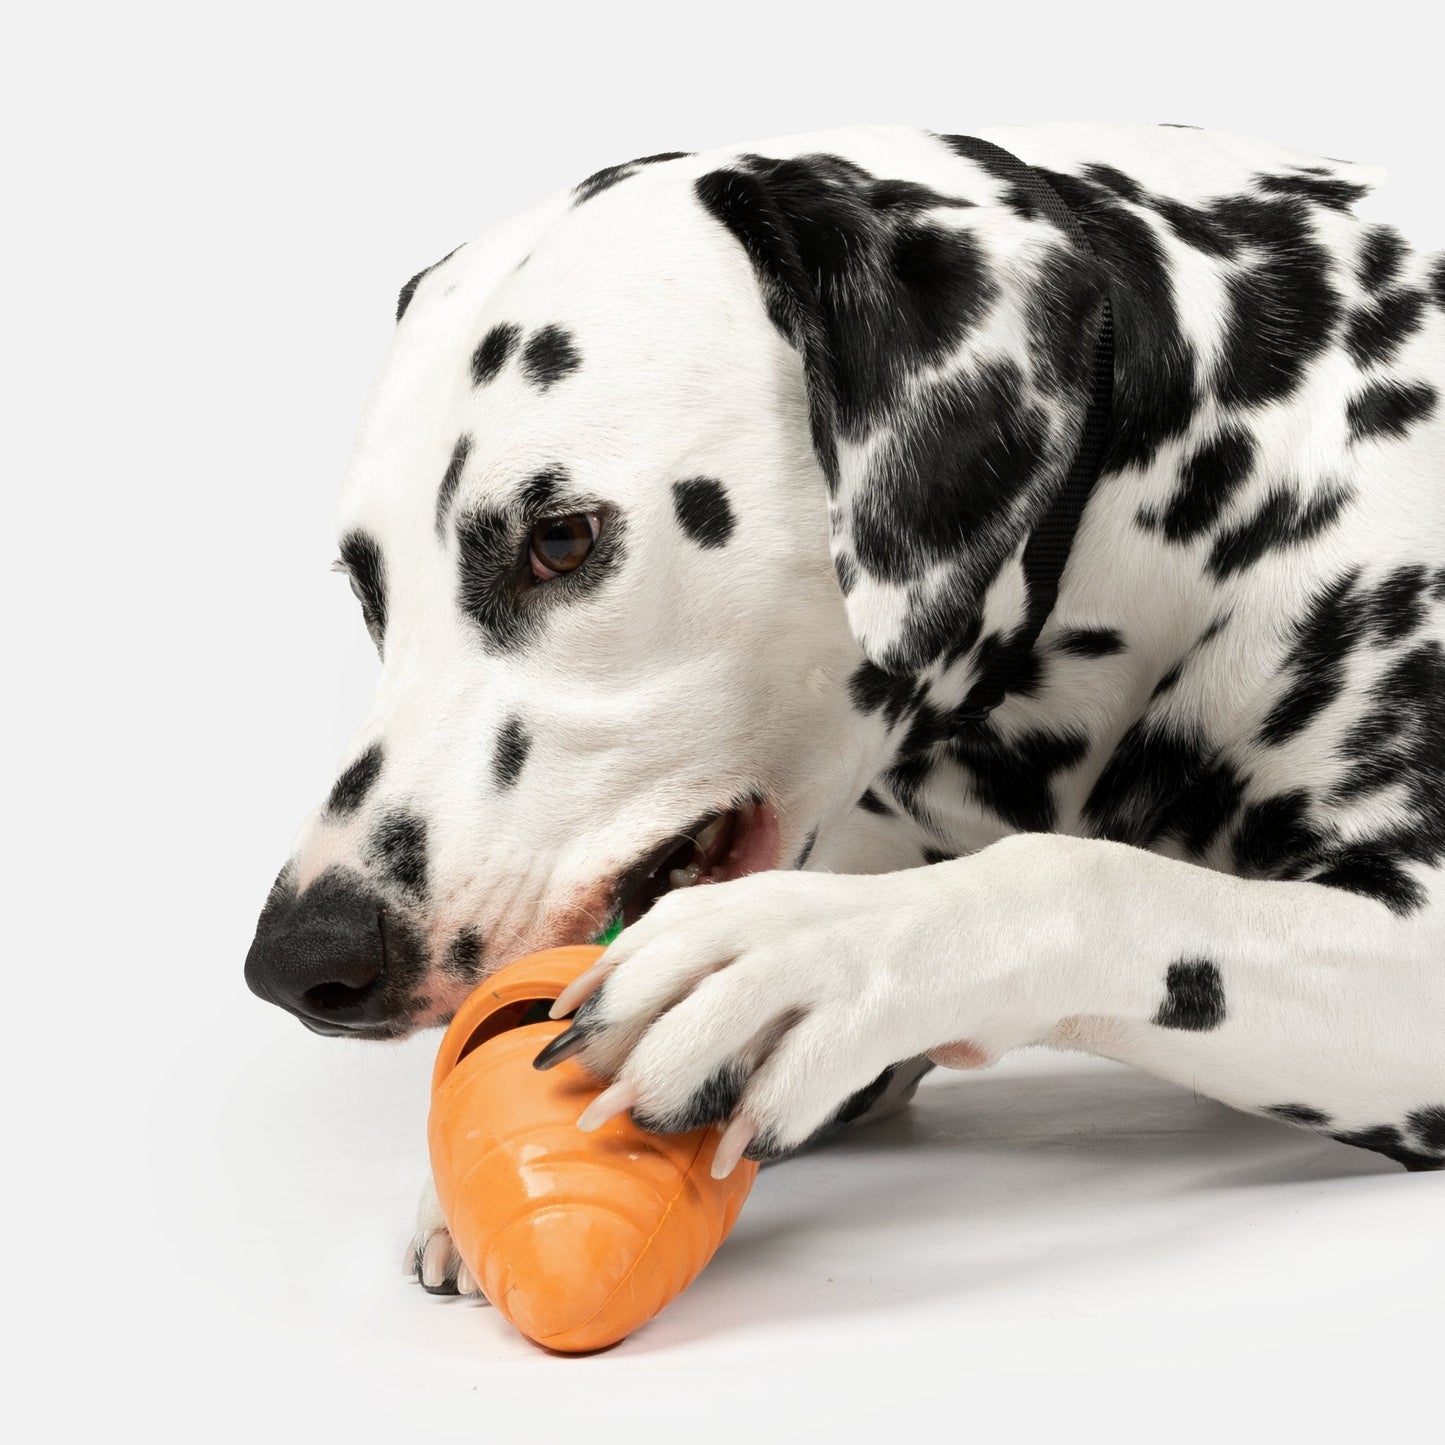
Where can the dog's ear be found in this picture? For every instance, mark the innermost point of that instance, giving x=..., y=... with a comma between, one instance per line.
x=947, y=344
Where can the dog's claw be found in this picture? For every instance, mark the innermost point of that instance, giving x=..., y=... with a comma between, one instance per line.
x=562, y=1047
x=437, y=1265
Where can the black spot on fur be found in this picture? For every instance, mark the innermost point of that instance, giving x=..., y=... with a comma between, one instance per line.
x=1331, y=625
x=905, y=779
x=1390, y=408
x=870, y=802
x=937, y=855
x=1283, y=519
x=1437, y=281
x=451, y=479
x=549, y=356
x=806, y=851
x=361, y=557
x=1375, y=333
x=1089, y=641
x=513, y=745
x=985, y=427
x=1387, y=1139
x=403, y=300
x=609, y=176
x=1399, y=742
x=1396, y=741
x=927, y=726
x=1428, y=1126
x=713, y=1102
x=397, y=849
x=1164, y=781
x=1194, y=997
x=1009, y=666
x=1282, y=308
x=1381, y=257
x=1397, y=606
x=871, y=688
x=351, y=788
x=1113, y=179
x=542, y=493
x=1013, y=774
x=1276, y=837
x=463, y=958
x=1197, y=227
x=702, y=511
x=1313, y=185
x=1208, y=481
x=1170, y=680
x=491, y=576
x=1367, y=869
x=492, y=352
x=1402, y=736
x=1299, y=1114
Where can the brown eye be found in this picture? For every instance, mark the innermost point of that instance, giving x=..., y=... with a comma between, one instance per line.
x=561, y=544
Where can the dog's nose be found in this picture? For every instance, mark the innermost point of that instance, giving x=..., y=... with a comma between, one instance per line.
x=319, y=954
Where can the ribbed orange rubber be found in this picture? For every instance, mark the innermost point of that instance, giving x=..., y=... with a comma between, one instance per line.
x=576, y=1238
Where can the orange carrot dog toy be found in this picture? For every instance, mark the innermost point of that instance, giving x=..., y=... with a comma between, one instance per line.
x=576, y=1238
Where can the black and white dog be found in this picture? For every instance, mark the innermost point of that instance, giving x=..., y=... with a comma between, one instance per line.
x=714, y=522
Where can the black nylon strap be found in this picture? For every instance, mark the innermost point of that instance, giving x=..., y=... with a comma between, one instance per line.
x=1047, y=551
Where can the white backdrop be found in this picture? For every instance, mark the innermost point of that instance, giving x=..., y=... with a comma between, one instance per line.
x=209, y=214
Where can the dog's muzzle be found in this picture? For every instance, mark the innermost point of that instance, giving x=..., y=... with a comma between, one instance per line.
x=322, y=955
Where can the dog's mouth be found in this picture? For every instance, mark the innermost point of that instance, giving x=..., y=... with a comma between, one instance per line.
x=717, y=847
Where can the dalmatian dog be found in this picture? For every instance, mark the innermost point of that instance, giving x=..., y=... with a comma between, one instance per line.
x=946, y=593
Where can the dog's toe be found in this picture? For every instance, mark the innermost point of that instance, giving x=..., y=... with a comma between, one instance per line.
x=439, y=1269
x=432, y=1257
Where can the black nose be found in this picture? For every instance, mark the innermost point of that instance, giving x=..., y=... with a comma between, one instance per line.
x=319, y=954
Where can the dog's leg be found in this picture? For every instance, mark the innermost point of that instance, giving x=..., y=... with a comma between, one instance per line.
x=1313, y=1005
x=774, y=998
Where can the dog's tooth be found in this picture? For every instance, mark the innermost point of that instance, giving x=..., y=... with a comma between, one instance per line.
x=709, y=835
x=685, y=877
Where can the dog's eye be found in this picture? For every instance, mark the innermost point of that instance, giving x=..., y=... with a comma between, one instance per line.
x=561, y=544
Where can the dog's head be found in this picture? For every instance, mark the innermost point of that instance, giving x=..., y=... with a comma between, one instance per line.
x=620, y=458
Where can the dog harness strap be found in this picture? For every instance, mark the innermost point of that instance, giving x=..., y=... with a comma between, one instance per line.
x=1047, y=551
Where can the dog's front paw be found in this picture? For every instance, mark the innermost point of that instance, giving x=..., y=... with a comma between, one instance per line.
x=432, y=1257
x=768, y=1001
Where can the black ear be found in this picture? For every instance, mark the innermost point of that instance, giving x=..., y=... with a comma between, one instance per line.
x=947, y=341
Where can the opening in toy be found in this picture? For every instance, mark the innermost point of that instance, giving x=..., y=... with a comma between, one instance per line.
x=514, y=1016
